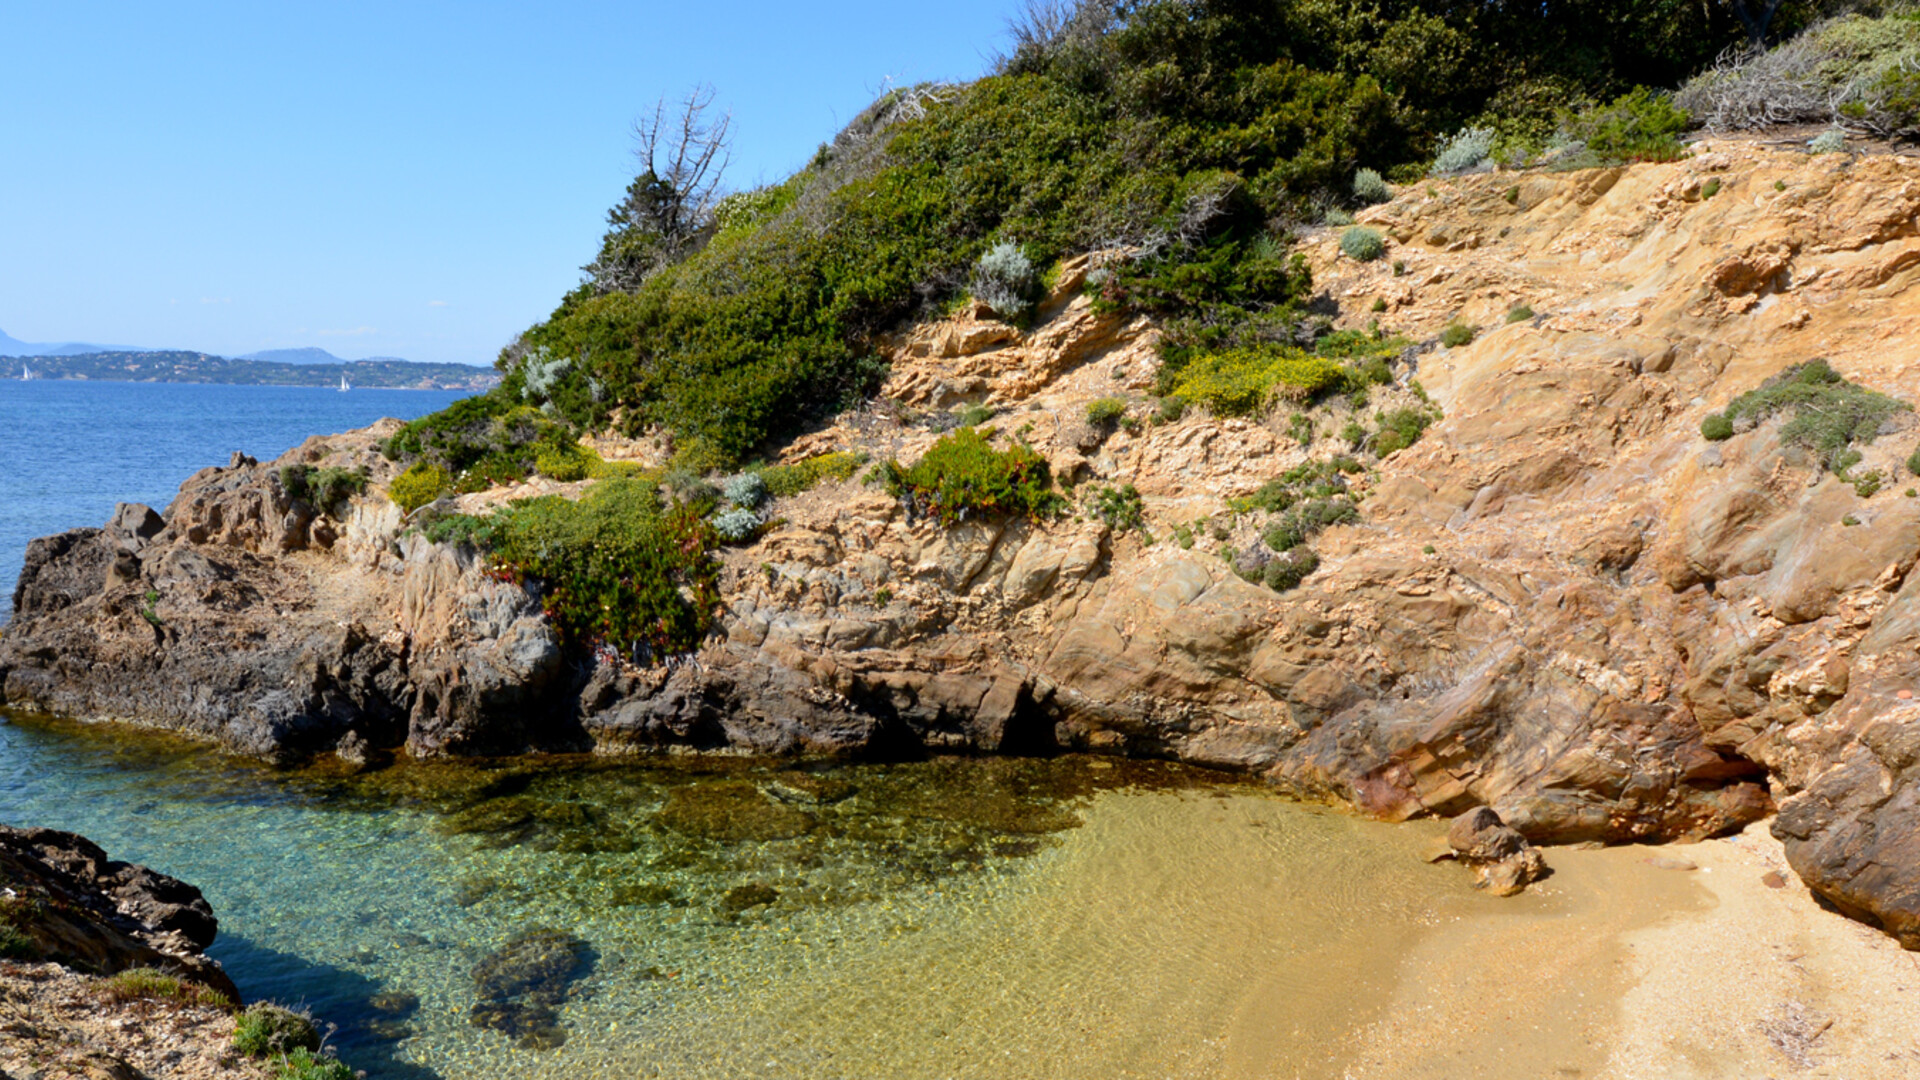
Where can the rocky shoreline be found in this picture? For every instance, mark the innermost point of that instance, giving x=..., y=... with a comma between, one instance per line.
x=1562, y=603
x=102, y=968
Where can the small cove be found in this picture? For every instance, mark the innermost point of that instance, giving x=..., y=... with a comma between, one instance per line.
x=953, y=917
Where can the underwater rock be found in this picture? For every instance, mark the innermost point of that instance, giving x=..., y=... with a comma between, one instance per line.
x=741, y=897
x=809, y=789
x=732, y=811
x=522, y=985
x=395, y=1002
x=651, y=892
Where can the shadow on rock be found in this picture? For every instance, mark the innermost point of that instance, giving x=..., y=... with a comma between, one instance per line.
x=523, y=984
x=365, y=1036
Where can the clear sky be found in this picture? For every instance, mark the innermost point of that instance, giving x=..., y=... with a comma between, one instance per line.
x=400, y=178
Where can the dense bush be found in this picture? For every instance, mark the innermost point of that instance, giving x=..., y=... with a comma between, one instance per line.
x=1104, y=413
x=1243, y=381
x=961, y=475
x=622, y=567
x=1005, y=281
x=1468, y=148
x=265, y=1029
x=801, y=475
x=1121, y=508
x=1637, y=126
x=1829, y=414
x=419, y=485
x=1302, y=521
x=1289, y=568
x=1456, y=334
x=736, y=526
x=1362, y=244
x=1308, y=480
x=1400, y=428
x=303, y=1064
x=746, y=490
x=1830, y=141
x=1369, y=187
x=323, y=488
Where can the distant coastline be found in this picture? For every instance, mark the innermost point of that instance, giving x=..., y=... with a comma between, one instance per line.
x=195, y=367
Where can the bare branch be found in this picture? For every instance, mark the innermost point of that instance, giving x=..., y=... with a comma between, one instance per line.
x=668, y=210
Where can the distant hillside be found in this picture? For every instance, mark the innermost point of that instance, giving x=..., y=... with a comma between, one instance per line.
x=310, y=355
x=194, y=367
x=11, y=346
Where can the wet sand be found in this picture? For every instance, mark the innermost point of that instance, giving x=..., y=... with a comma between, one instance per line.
x=1626, y=966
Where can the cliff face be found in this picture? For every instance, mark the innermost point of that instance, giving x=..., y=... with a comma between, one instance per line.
x=1562, y=602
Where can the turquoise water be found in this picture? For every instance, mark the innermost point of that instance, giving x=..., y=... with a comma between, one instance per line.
x=72, y=449
x=731, y=918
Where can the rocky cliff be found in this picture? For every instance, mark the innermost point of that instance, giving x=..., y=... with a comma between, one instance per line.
x=1562, y=602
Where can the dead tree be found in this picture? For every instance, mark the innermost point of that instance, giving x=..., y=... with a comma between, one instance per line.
x=668, y=209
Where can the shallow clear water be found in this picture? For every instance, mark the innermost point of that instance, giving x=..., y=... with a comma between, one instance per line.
x=728, y=918
x=70, y=449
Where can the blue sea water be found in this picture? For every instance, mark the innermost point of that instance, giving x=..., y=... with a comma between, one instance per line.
x=70, y=450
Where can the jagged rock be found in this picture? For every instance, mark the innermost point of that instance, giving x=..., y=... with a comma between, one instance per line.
x=78, y=908
x=1502, y=861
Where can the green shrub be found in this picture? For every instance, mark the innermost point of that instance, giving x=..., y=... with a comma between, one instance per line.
x=961, y=475
x=1243, y=381
x=1868, y=483
x=1362, y=244
x=1829, y=413
x=1121, y=508
x=621, y=567
x=1305, y=481
x=1288, y=569
x=1399, y=268
x=1709, y=189
x=1300, y=426
x=1172, y=408
x=419, y=485
x=968, y=416
x=1716, y=427
x=1831, y=141
x=1913, y=461
x=304, y=1064
x=1456, y=334
x=1512, y=195
x=1520, y=312
x=1353, y=434
x=747, y=490
x=1379, y=305
x=1640, y=125
x=1370, y=188
x=1335, y=218
x=16, y=945
x=1399, y=429
x=784, y=480
x=1304, y=520
x=265, y=1029
x=1105, y=413
x=323, y=488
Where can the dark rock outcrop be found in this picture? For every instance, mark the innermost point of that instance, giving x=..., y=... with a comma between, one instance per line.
x=69, y=903
x=1502, y=861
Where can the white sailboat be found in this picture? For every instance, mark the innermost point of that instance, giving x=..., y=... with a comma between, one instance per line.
x=25, y=373
x=344, y=385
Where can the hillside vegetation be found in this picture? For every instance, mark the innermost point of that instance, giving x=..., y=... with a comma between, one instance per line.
x=1188, y=133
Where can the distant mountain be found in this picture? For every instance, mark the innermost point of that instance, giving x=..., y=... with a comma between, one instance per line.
x=193, y=367
x=294, y=356
x=10, y=346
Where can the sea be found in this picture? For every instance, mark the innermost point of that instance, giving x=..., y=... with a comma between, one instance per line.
x=71, y=449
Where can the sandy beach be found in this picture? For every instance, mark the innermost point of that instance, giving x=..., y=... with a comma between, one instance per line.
x=1681, y=962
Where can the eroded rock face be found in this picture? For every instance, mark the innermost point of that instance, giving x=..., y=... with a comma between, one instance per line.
x=1562, y=603
x=76, y=907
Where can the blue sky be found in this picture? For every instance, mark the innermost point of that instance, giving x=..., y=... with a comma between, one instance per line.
x=406, y=179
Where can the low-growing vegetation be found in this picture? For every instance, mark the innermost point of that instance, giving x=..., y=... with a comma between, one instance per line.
x=323, y=488
x=1362, y=244
x=420, y=484
x=1857, y=72
x=801, y=475
x=1828, y=414
x=263, y=1030
x=962, y=476
x=1121, y=508
x=1455, y=334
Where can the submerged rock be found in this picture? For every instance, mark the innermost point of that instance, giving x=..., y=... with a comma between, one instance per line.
x=522, y=985
x=731, y=811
